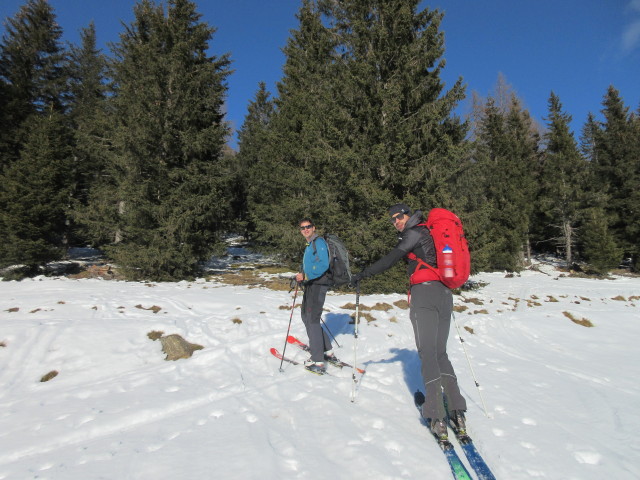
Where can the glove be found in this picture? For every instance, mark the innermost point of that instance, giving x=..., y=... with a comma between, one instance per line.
x=356, y=279
x=293, y=283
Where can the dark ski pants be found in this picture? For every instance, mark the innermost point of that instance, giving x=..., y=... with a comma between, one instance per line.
x=431, y=307
x=312, y=303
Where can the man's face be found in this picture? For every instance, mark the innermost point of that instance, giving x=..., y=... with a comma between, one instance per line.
x=399, y=220
x=307, y=230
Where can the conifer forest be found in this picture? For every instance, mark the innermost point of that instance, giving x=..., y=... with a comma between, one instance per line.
x=127, y=150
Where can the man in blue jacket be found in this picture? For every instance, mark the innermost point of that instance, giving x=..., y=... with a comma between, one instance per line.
x=315, y=265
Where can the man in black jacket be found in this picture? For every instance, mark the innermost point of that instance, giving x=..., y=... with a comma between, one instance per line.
x=430, y=313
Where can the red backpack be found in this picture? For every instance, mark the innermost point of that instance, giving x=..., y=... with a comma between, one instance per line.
x=452, y=251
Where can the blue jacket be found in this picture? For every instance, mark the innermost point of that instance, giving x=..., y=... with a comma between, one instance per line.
x=316, y=260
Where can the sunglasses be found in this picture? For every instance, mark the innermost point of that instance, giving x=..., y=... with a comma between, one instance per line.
x=399, y=216
x=305, y=227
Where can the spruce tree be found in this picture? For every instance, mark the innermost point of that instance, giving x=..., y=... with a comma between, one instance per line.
x=405, y=143
x=362, y=119
x=617, y=170
x=289, y=179
x=35, y=195
x=89, y=115
x=506, y=151
x=563, y=181
x=169, y=202
x=34, y=169
x=31, y=70
x=252, y=142
x=599, y=247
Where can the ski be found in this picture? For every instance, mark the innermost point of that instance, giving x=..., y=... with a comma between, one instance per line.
x=340, y=364
x=458, y=469
x=466, y=443
x=473, y=456
x=274, y=351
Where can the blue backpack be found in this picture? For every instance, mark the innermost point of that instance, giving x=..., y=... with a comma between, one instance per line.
x=339, y=272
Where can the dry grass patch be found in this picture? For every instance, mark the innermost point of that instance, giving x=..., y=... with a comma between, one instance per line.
x=484, y=311
x=393, y=320
x=532, y=303
x=580, y=321
x=106, y=272
x=367, y=316
x=634, y=297
x=154, y=308
x=352, y=306
x=384, y=307
x=48, y=376
x=402, y=304
x=155, y=334
x=475, y=301
x=619, y=298
x=236, y=320
x=3, y=344
x=469, y=329
x=551, y=298
x=13, y=309
x=460, y=308
x=251, y=276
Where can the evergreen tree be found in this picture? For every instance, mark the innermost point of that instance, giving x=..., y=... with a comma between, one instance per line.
x=169, y=198
x=35, y=194
x=617, y=171
x=506, y=154
x=252, y=142
x=288, y=179
x=89, y=114
x=31, y=70
x=563, y=180
x=34, y=169
x=598, y=244
x=362, y=119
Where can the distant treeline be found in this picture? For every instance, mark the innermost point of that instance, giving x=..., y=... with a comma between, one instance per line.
x=127, y=152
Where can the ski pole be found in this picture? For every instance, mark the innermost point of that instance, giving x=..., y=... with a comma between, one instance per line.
x=355, y=343
x=469, y=362
x=289, y=327
x=329, y=332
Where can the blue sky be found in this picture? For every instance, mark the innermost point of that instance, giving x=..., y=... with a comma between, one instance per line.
x=577, y=48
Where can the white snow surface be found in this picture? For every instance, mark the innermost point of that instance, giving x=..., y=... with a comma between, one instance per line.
x=563, y=400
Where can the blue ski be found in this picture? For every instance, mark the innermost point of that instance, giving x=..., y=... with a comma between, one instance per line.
x=476, y=461
x=458, y=469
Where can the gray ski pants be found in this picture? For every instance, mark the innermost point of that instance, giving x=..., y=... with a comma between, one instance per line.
x=431, y=307
x=312, y=303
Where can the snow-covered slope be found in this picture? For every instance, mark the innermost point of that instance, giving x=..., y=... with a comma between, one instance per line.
x=563, y=400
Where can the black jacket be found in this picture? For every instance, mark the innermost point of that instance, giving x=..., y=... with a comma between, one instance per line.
x=413, y=238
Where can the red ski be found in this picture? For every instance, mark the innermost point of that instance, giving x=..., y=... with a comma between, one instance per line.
x=339, y=363
x=274, y=351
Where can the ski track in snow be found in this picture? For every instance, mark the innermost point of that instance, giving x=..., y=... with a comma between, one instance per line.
x=561, y=398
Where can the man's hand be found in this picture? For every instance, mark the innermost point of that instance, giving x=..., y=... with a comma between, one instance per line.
x=356, y=279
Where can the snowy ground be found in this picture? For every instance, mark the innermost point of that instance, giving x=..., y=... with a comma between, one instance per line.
x=563, y=399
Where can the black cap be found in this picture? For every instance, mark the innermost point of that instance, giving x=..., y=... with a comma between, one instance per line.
x=399, y=208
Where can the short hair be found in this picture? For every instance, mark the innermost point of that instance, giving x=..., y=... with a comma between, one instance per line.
x=306, y=219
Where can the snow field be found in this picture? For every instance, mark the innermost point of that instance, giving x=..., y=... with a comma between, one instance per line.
x=562, y=398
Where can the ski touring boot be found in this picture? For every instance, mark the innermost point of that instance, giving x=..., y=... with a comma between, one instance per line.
x=318, y=368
